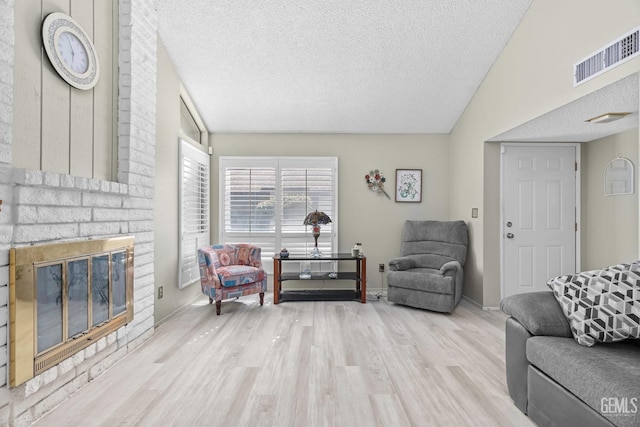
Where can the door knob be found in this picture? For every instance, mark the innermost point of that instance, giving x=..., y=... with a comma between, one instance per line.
x=510, y=236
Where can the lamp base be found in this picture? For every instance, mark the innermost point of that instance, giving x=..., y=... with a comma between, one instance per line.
x=315, y=253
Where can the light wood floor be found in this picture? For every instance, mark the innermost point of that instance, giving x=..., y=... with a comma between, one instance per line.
x=306, y=364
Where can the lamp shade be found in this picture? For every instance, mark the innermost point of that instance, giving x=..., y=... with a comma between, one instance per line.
x=315, y=218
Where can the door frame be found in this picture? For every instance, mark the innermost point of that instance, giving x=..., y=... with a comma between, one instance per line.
x=505, y=145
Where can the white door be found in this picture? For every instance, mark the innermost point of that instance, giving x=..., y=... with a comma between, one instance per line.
x=539, y=226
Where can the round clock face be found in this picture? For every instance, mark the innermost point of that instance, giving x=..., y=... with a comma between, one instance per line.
x=70, y=51
x=73, y=53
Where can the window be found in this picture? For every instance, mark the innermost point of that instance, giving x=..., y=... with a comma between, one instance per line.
x=267, y=199
x=194, y=191
x=188, y=124
x=194, y=210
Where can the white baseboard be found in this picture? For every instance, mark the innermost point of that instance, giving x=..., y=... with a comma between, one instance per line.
x=480, y=306
x=174, y=312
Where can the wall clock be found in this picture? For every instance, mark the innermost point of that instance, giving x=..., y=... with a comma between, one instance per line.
x=70, y=50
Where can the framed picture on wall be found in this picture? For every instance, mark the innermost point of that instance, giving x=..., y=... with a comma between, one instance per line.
x=409, y=185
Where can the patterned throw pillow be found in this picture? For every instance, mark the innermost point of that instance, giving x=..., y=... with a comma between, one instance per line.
x=601, y=305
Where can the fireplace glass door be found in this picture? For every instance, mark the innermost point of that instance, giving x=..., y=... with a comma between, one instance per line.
x=49, y=312
x=65, y=297
x=100, y=289
x=76, y=295
x=118, y=275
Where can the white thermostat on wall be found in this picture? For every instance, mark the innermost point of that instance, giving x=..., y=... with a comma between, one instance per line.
x=70, y=51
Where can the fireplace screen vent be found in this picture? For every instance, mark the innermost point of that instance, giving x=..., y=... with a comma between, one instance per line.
x=65, y=296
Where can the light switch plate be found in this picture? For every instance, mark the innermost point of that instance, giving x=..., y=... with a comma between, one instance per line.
x=474, y=212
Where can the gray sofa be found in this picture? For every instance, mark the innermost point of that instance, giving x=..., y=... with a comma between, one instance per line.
x=429, y=273
x=556, y=381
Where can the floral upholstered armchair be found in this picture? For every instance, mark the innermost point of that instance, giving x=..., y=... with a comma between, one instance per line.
x=231, y=271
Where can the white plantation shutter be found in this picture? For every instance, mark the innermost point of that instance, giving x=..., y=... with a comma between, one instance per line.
x=248, y=208
x=249, y=199
x=194, y=210
x=267, y=199
x=305, y=189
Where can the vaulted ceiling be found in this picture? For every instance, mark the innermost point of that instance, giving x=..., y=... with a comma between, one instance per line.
x=334, y=66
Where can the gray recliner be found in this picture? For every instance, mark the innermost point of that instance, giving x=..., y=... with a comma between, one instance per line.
x=429, y=274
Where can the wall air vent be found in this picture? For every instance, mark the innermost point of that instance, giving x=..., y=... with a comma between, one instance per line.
x=614, y=54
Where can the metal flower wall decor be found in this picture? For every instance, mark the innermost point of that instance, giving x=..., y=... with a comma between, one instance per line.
x=375, y=181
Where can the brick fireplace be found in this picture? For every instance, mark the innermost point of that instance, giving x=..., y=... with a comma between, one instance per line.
x=40, y=207
x=63, y=297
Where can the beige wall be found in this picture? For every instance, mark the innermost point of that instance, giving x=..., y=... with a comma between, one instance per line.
x=42, y=100
x=609, y=223
x=166, y=192
x=532, y=76
x=365, y=217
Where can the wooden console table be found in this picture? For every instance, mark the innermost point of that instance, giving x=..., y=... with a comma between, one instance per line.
x=359, y=276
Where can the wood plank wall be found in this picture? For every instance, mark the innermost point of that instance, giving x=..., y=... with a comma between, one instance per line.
x=59, y=128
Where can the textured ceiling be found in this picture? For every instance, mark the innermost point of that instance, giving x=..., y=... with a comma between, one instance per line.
x=334, y=66
x=568, y=123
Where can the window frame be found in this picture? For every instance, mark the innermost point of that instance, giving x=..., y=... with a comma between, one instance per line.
x=199, y=147
x=279, y=163
x=185, y=100
x=203, y=237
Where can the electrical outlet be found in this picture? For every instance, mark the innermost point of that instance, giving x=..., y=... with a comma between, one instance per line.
x=160, y=292
x=381, y=268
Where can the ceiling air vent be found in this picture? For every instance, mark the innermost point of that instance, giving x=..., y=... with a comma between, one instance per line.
x=616, y=53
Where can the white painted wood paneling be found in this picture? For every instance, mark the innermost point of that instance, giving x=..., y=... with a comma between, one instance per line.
x=55, y=107
x=81, y=106
x=59, y=128
x=28, y=84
